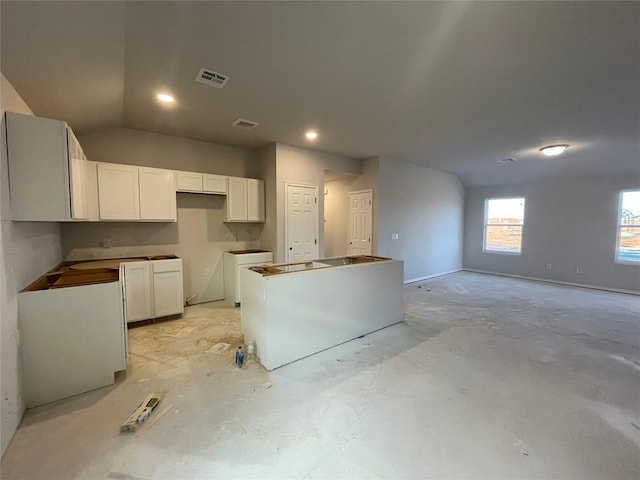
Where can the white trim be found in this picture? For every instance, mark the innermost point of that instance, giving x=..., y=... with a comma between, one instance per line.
x=560, y=282
x=364, y=191
x=413, y=280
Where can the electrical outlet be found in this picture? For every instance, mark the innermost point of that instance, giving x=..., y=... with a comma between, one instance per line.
x=547, y=266
x=578, y=270
x=394, y=236
x=106, y=242
x=206, y=272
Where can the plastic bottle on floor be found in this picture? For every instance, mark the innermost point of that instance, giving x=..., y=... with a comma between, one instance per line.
x=239, y=357
x=251, y=352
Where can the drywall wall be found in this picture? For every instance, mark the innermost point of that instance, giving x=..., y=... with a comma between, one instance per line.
x=305, y=167
x=336, y=208
x=265, y=168
x=569, y=223
x=27, y=250
x=425, y=208
x=200, y=235
x=336, y=217
x=135, y=147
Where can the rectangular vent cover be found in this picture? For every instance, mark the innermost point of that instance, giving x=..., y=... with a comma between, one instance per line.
x=242, y=123
x=211, y=78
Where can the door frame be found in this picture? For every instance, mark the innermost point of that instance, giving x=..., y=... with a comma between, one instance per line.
x=366, y=190
x=286, y=215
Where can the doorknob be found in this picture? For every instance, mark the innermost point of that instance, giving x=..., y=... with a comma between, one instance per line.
x=290, y=248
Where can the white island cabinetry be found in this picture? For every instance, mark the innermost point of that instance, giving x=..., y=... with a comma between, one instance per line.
x=294, y=310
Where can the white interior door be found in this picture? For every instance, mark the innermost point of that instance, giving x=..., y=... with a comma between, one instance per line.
x=360, y=213
x=302, y=223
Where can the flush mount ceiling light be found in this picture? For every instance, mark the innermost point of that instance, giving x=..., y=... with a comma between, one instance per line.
x=311, y=135
x=165, y=98
x=553, y=150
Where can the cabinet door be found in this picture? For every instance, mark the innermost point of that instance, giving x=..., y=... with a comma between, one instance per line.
x=157, y=194
x=167, y=293
x=214, y=184
x=78, y=178
x=138, y=290
x=237, y=200
x=40, y=170
x=189, y=182
x=255, y=200
x=118, y=192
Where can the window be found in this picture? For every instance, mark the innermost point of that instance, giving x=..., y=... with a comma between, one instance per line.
x=628, y=249
x=503, y=222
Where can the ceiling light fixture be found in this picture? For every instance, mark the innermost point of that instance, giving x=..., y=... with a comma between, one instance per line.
x=164, y=98
x=311, y=135
x=553, y=150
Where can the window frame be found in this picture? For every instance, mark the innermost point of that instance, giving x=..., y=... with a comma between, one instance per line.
x=485, y=225
x=619, y=227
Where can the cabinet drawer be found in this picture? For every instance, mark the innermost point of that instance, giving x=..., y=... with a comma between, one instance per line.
x=160, y=266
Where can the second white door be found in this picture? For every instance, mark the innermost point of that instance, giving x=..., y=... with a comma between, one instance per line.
x=302, y=223
x=360, y=207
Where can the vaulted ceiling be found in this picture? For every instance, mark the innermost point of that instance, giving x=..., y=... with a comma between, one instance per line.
x=455, y=86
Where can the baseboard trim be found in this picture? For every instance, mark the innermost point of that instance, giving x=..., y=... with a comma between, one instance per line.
x=414, y=280
x=559, y=282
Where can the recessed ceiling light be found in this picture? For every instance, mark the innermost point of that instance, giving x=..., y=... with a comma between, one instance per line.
x=164, y=98
x=553, y=150
x=311, y=135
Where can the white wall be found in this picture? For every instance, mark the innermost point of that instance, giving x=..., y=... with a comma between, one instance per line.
x=425, y=207
x=569, y=223
x=200, y=235
x=27, y=250
x=303, y=166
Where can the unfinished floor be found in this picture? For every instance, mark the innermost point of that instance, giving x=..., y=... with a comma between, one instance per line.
x=488, y=377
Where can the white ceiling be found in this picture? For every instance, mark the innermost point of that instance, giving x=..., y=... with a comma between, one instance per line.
x=454, y=86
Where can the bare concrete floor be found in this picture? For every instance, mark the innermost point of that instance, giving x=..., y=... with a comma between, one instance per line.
x=488, y=378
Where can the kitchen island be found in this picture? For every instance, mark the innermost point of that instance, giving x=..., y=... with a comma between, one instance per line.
x=293, y=310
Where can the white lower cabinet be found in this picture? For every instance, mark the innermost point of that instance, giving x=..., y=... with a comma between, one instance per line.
x=152, y=289
x=137, y=278
x=72, y=340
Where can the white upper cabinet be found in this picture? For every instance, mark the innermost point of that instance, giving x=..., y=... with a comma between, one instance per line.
x=189, y=182
x=201, y=183
x=47, y=170
x=214, y=184
x=237, y=200
x=157, y=195
x=118, y=192
x=127, y=192
x=255, y=200
x=245, y=200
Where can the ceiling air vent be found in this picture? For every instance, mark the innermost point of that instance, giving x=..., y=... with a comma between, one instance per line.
x=211, y=78
x=507, y=160
x=242, y=123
